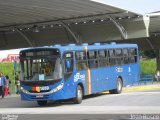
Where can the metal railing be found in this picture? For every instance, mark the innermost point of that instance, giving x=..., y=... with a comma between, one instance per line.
x=147, y=79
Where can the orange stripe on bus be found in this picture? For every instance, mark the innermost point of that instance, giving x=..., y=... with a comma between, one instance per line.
x=88, y=81
x=88, y=76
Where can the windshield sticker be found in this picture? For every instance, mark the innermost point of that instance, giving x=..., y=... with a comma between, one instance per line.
x=78, y=76
x=41, y=76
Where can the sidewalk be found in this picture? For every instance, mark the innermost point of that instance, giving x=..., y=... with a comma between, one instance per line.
x=12, y=96
x=142, y=87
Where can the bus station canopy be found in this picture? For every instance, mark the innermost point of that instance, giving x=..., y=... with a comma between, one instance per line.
x=29, y=23
x=153, y=41
x=154, y=23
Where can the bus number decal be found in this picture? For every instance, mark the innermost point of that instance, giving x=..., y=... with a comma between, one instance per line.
x=44, y=88
x=78, y=76
x=119, y=69
x=129, y=69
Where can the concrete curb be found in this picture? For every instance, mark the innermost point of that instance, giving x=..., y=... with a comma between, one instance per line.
x=141, y=88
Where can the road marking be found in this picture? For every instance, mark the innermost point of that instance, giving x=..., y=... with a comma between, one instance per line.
x=85, y=110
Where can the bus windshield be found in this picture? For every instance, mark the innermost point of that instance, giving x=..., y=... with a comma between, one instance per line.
x=36, y=66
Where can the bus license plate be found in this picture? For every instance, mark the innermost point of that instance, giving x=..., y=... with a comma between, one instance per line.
x=39, y=96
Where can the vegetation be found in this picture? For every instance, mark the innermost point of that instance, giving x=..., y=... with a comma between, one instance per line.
x=148, y=66
x=8, y=69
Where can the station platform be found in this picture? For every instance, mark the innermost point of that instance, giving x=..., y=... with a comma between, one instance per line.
x=142, y=87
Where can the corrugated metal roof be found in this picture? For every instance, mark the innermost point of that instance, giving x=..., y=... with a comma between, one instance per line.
x=155, y=24
x=25, y=12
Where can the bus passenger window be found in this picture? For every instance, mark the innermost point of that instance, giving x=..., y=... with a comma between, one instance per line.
x=135, y=55
x=132, y=55
x=103, y=61
x=81, y=65
x=119, y=56
x=125, y=56
x=92, y=59
x=111, y=57
x=81, y=62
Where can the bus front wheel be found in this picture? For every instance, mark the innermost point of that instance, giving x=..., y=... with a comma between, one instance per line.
x=79, y=95
x=118, y=89
x=42, y=103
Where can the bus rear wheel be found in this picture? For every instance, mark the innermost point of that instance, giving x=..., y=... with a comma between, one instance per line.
x=42, y=103
x=118, y=89
x=79, y=95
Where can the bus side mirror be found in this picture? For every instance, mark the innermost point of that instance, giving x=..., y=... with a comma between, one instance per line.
x=68, y=65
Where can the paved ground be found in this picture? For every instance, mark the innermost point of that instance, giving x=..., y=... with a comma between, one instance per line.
x=131, y=101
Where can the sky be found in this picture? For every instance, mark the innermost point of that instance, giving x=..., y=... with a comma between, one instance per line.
x=138, y=6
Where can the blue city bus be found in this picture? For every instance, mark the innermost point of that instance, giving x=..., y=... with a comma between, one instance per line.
x=72, y=71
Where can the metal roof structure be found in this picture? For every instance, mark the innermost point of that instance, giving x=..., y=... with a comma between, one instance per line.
x=22, y=12
x=28, y=23
x=154, y=27
x=153, y=41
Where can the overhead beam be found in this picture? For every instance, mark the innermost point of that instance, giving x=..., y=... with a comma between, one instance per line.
x=71, y=32
x=149, y=42
x=120, y=28
x=25, y=37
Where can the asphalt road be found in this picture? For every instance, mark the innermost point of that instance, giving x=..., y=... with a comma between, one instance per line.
x=96, y=107
x=134, y=102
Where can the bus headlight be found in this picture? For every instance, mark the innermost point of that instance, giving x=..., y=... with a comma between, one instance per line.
x=23, y=90
x=57, y=88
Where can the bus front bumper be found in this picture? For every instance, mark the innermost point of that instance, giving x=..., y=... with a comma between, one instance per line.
x=41, y=96
x=54, y=94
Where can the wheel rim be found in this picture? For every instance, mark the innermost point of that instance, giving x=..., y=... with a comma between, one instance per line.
x=79, y=93
x=119, y=85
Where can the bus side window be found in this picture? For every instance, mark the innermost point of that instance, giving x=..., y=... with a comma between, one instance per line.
x=111, y=57
x=135, y=55
x=92, y=59
x=103, y=61
x=125, y=56
x=81, y=62
x=119, y=56
x=132, y=55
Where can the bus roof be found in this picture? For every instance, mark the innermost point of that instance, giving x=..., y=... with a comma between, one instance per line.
x=74, y=47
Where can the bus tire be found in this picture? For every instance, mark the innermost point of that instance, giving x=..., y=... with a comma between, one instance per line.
x=118, y=90
x=119, y=86
x=111, y=91
x=79, y=95
x=42, y=103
